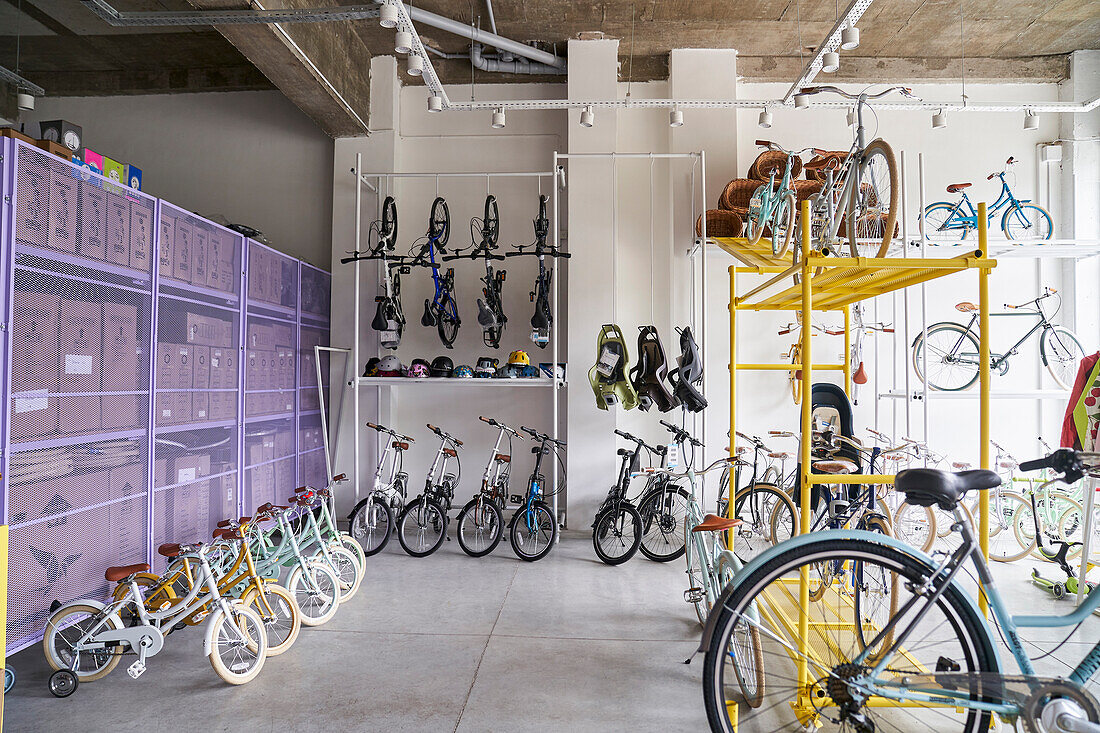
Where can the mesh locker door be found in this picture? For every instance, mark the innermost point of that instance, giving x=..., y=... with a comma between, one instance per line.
x=313, y=331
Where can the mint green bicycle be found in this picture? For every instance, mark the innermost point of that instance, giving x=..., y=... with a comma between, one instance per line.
x=772, y=205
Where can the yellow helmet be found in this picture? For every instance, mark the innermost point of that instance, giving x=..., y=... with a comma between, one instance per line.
x=519, y=358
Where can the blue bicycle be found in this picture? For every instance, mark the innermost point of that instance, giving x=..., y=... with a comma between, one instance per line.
x=442, y=310
x=1020, y=219
x=534, y=528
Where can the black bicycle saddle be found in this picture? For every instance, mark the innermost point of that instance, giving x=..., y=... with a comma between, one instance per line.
x=927, y=486
x=650, y=371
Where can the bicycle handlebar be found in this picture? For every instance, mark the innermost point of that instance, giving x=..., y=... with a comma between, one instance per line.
x=681, y=434
x=443, y=434
x=543, y=437
x=1072, y=464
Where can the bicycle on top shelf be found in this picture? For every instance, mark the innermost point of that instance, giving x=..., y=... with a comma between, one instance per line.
x=952, y=348
x=440, y=310
x=772, y=205
x=490, y=311
x=860, y=186
x=1020, y=219
x=389, y=318
x=543, y=319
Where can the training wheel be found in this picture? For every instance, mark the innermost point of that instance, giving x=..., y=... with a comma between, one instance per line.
x=63, y=683
x=9, y=679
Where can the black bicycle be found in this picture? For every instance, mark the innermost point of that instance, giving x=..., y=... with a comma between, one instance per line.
x=441, y=310
x=534, y=528
x=422, y=524
x=389, y=318
x=543, y=319
x=490, y=311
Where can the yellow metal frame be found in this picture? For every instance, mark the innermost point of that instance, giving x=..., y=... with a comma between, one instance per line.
x=834, y=284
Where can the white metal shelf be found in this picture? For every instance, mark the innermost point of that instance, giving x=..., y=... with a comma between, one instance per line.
x=540, y=382
x=1032, y=394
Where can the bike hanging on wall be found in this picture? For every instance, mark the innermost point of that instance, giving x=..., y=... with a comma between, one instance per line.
x=389, y=318
x=1020, y=219
x=441, y=310
x=490, y=311
x=542, y=321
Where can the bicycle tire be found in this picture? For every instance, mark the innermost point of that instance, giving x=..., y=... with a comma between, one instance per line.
x=936, y=216
x=282, y=602
x=1002, y=531
x=668, y=523
x=873, y=523
x=347, y=568
x=376, y=531
x=439, y=222
x=776, y=503
x=387, y=232
x=976, y=650
x=612, y=522
x=321, y=605
x=868, y=207
x=447, y=321
x=541, y=510
x=750, y=671
x=56, y=659
x=1014, y=229
x=251, y=626
x=1061, y=352
x=796, y=375
x=754, y=224
x=964, y=338
x=694, y=549
x=433, y=509
x=783, y=219
x=468, y=513
x=491, y=222
x=929, y=516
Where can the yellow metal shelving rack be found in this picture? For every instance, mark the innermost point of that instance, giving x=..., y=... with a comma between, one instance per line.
x=834, y=284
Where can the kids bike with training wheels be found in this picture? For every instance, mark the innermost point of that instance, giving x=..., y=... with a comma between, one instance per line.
x=533, y=529
x=372, y=519
x=441, y=310
x=481, y=520
x=422, y=524
x=1020, y=219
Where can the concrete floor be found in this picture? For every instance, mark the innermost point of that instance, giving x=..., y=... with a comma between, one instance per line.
x=453, y=643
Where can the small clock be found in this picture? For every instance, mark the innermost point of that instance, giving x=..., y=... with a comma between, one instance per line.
x=66, y=133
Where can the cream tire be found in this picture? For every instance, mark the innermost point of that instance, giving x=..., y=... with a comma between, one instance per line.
x=253, y=628
x=282, y=603
x=55, y=634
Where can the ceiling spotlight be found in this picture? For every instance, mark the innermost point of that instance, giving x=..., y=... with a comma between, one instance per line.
x=801, y=101
x=498, y=118
x=435, y=103
x=24, y=101
x=1031, y=120
x=852, y=118
x=849, y=38
x=403, y=42
x=415, y=65
x=765, y=118
x=588, y=117
x=830, y=62
x=939, y=120
x=675, y=118
x=388, y=15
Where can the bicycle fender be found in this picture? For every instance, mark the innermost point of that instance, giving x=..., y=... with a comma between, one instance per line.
x=208, y=632
x=355, y=508
x=837, y=534
x=97, y=605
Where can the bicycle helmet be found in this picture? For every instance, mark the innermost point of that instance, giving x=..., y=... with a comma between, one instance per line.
x=463, y=371
x=418, y=369
x=529, y=372
x=389, y=366
x=518, y=358
x=442, y=366
x=486, y=367
x=372, y=367
x=509, y=371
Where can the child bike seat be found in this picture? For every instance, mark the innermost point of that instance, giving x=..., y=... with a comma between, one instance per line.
x=608, y=376
x=649, y=374
x=689, y=372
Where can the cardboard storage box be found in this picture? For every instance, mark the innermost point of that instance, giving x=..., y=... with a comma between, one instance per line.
x=93, y=223
x=34, y=360
x=132, y=176
x=55, y=148
x=63, y=213
x=184, y=327
x=127, y=518
x=229, y=265
x=188, y=468
x=91, y=161
x=284, y=443
x=185, y=371
x=200, y=397
x=199, y=243
x=114, y=171
x=284, y=335
x=121, y=365
x=166, y=369
x=32, y=203
x=216, y=240
x=141, y=235
x=80, y=334
x=70, y=136
x=118, y=231
x=181, y=251
x=166, y=243
x=160, y=472
x=261, y=336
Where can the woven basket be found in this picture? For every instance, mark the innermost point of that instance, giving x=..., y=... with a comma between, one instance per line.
x=720, y=223
x=818, y=174
x=771, y=160
x=737, y=194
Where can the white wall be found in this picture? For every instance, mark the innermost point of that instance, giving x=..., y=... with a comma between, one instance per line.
x=252, y=157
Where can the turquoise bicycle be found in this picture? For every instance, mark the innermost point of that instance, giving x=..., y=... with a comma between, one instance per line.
x=772, y=205
x=1020, y=219
x=931, y=664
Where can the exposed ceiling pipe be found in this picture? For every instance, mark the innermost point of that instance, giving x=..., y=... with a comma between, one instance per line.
x=504, y=55
x=481, y=62
x=130, y=19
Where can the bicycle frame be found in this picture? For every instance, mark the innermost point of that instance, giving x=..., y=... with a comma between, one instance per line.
x=958, y=219
x=998, y=361
x=534, y=487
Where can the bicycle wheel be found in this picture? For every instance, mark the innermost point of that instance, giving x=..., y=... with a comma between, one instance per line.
x=285, y=623
x=952, y=357
x=439, y=223
x=1027, y=222
x=662, y=512
x=767, y=515
x=915, y=525
x=1071, y=527
x=421, y=530
x=1061, y=353
x=746, y=650
x=873, y=205
x=370, y=525
x=755, y=221
x=694, y=552
x=783, y=225
x=387, y=234
x=447, y=322
x=491, y=221
x=533, y=532
x=347, y=569
x=1004, y=543
x=875, y=595
x=316, y=593
x=950, y=632
x=349, y=543
x=240, y=645
x=64, y=628
x=617, y=533
x=795, y=375
x=940, y=224
x=480, y=527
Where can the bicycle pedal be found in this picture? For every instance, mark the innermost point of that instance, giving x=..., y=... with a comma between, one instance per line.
x=136, y=669
x=694, y=595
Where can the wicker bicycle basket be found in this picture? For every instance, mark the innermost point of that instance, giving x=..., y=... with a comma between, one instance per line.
x=720, y=223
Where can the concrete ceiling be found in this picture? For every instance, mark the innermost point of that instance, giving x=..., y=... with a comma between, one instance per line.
x=67, y=50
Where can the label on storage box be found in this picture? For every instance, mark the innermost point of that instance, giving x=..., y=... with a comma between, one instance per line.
x=186, y=474
x=78, y=364
x=31, y=401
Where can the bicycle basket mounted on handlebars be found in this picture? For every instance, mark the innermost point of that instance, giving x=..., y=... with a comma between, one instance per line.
x=831, y=410
x=608, y=376
x=649, y=373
